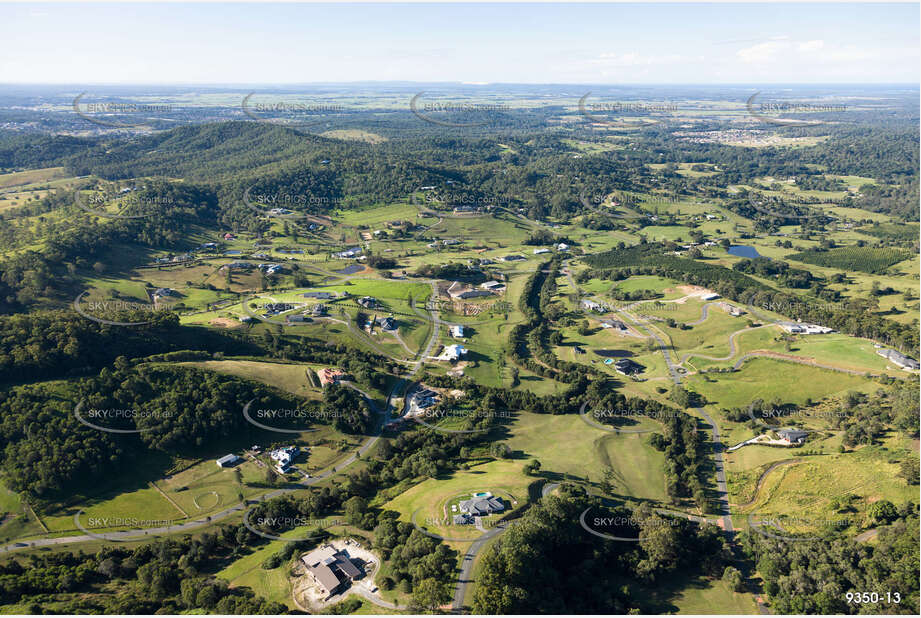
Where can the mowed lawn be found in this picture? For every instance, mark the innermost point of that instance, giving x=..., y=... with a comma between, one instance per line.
x=145, y=506
x=746, y=341
x=382, y=289
x=205, y=488
x=712, y=596
x=491, y=231
x=272, y=584
x=638, y=468
x=566, y=444
x=843, y=351
x=427, y=500
x=378, y=215
x=710, y=337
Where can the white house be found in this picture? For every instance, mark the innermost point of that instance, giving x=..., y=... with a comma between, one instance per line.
x=805, y=329
x=457, y=331
x=454, y=352
x=284, y=456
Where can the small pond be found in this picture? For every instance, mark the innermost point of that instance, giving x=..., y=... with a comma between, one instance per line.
x=744, y=251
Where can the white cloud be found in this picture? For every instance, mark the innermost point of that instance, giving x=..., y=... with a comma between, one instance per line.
x=803, y=54
x=762, y=52
x=808, y=46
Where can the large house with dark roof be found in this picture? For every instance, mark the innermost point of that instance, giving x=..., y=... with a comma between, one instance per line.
x=627, y=367
x=899, y=359
x=479, y=506
x=331, y=569
x=792, y=435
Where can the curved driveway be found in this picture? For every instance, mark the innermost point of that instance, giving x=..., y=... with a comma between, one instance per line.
x=465, y=579
x=732, y=346
x=721, y=486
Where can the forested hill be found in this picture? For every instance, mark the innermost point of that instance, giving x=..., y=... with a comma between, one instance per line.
x=536, y=173
x=208, y=152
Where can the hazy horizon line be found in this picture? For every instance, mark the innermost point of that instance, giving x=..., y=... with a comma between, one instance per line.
x=459, y=83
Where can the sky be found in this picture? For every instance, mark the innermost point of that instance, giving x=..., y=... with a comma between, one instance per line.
x=509, y=43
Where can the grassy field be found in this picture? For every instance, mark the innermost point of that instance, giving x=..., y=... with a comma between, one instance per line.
x=289, y=377
x=765, y=378
x=272, y=584
x=427, y=500
x=637, y=467
x=710, y=337
x=145, y=505
x=376, y=216
x=601, y=343
x=648, y=282
x=10, y=502
x=355, y=135
x=860, y=477
x=711, y=596
x=29, y=177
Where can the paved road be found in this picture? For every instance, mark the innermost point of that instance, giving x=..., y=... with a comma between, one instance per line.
x=725, y=512
x=465, y=579
x=436, y=329
x=361, y=336
x=373, y=598
x=732, y=346
x=703, y=315
x=774, y=466
x=568, y=272
x=547, y=489
x=695, y=518
x=466, y=573
x=863, y=537
x=722, y=489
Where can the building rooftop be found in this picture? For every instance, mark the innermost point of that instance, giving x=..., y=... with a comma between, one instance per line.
x=325, y=576
x=319, y=555
x=228, y=459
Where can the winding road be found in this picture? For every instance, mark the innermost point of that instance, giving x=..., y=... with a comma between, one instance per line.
x=703, y=314
x=465, y=578
x=732, y=346
x=466, y=571
x=188, y=526
x=722, y=489
x=773, y=466
x=725, y=510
